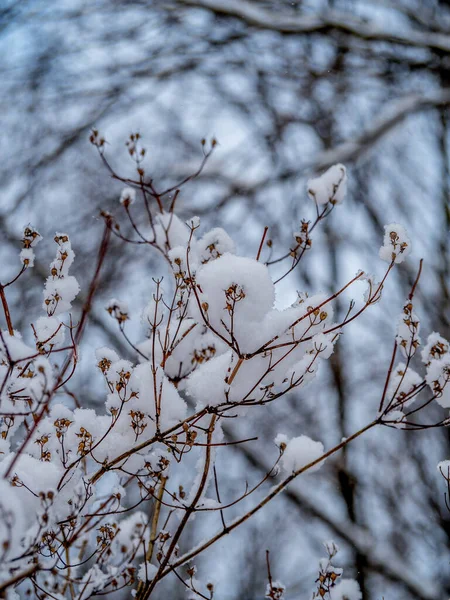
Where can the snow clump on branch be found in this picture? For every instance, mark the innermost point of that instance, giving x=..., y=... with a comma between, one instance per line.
x=330, y=187
x=212, y=335
x=128, y=196
x=31, y=237
x=299, y=452
x=346, y=589
x=60, y=287
x=396, y=244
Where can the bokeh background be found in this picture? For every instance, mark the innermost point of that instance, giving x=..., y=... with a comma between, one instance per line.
x=287, y=89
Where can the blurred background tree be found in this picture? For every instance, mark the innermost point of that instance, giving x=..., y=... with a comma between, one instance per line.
x=287, y=88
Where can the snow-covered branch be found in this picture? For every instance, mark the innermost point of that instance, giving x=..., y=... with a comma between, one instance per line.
x=212, y=346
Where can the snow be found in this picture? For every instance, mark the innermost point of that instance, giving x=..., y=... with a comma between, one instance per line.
x=105, y=357
x=437, y=377
x=128, y=196
x=117, y=309
x=396, y=244
x=146, y=571
x=193, y=222
x=444, y=469
x=330, y=187
x=346, y=589
x=373, y=286
x=207, y=383
x=31, y=237
x=60, y=287
x=408, y=329
x=27, y=257
x=12, y=522
x=59, y=295
x=323, y=343
x=64, y=256
x=435, y=348
x=299, y=452
x=275, y=591
x=238, y=292
x=214, y=244
x=281, y=440
x=403, y=381
x=14, y=348
x=224, y=378
x=50, y=333
x=170, y=231
x=173, y=407
x=133, y=530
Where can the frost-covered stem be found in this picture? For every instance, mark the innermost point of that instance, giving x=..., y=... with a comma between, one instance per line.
x=6, y=311
x=275, y=491
x=189, y=511
x=166, y=344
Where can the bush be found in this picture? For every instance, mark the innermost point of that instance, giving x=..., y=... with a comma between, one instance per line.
x=215, y=348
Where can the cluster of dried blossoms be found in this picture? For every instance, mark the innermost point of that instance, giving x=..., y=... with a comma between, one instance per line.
x=214, y=346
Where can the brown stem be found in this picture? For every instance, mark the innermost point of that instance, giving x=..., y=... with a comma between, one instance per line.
x=6, y=311
x=262, y=242
x=16, y=578
x=275, y=491
x=190, y=510
x=419, y=273
x=235, y=370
